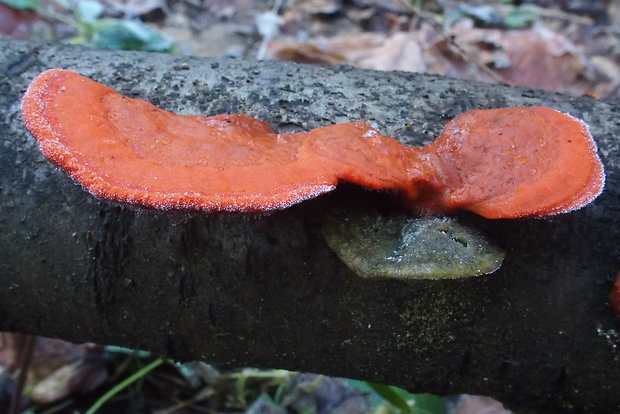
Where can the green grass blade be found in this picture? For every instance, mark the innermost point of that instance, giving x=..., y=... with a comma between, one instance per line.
x=124, y=384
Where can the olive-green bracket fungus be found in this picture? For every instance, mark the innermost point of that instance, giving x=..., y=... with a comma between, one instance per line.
x=395, y=245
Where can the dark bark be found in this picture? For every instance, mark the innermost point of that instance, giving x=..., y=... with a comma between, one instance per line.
x=267, y=291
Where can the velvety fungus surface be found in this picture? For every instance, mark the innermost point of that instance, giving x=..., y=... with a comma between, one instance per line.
x=498, y=163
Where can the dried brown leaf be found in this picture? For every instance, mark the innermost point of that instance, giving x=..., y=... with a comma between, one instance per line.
x=58, y=368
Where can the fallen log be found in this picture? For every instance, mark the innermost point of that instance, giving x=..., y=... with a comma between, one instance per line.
x=266, y=290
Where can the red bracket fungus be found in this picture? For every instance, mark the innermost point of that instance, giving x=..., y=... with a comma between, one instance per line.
x=498, y=163
x=614, y=296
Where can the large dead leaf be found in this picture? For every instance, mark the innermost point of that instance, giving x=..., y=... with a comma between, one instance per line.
x=536, y=57
x=58, y=368
x=399, y=51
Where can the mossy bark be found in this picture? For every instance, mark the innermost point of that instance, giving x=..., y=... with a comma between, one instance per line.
x=266, y=291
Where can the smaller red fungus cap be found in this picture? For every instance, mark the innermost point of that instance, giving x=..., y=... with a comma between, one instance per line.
x=515, y=162
x=614, y=296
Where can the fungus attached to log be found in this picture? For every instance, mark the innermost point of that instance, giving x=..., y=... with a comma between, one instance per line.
x=499, y=163
x=614, y=296
x=514, y=162
x=128, y=150
x=393, y=245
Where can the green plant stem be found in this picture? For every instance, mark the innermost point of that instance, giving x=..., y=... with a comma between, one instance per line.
x=59, y=17
x=124, y=384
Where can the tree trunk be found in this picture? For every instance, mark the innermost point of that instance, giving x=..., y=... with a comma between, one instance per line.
x=266, y=291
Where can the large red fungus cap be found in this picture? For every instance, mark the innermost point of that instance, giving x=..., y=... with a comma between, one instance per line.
x=498, y=163
x=515, y=162
x=129, y=150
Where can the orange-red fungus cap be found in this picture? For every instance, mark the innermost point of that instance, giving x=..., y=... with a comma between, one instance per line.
x=129, y=150
x=614, y=296
x=515, y=162
x=498, y=163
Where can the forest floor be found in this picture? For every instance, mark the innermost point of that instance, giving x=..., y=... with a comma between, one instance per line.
x=569, y=47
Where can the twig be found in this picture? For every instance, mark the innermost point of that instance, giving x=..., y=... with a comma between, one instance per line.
x=450, y=39
x=205, y=393
x=24, y=365
x=555, y=14
x=274, y=26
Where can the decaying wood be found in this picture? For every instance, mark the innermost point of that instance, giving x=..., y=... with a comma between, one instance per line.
x=266, y=291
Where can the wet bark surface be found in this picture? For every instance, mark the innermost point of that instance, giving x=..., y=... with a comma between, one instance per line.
x=265, y=290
